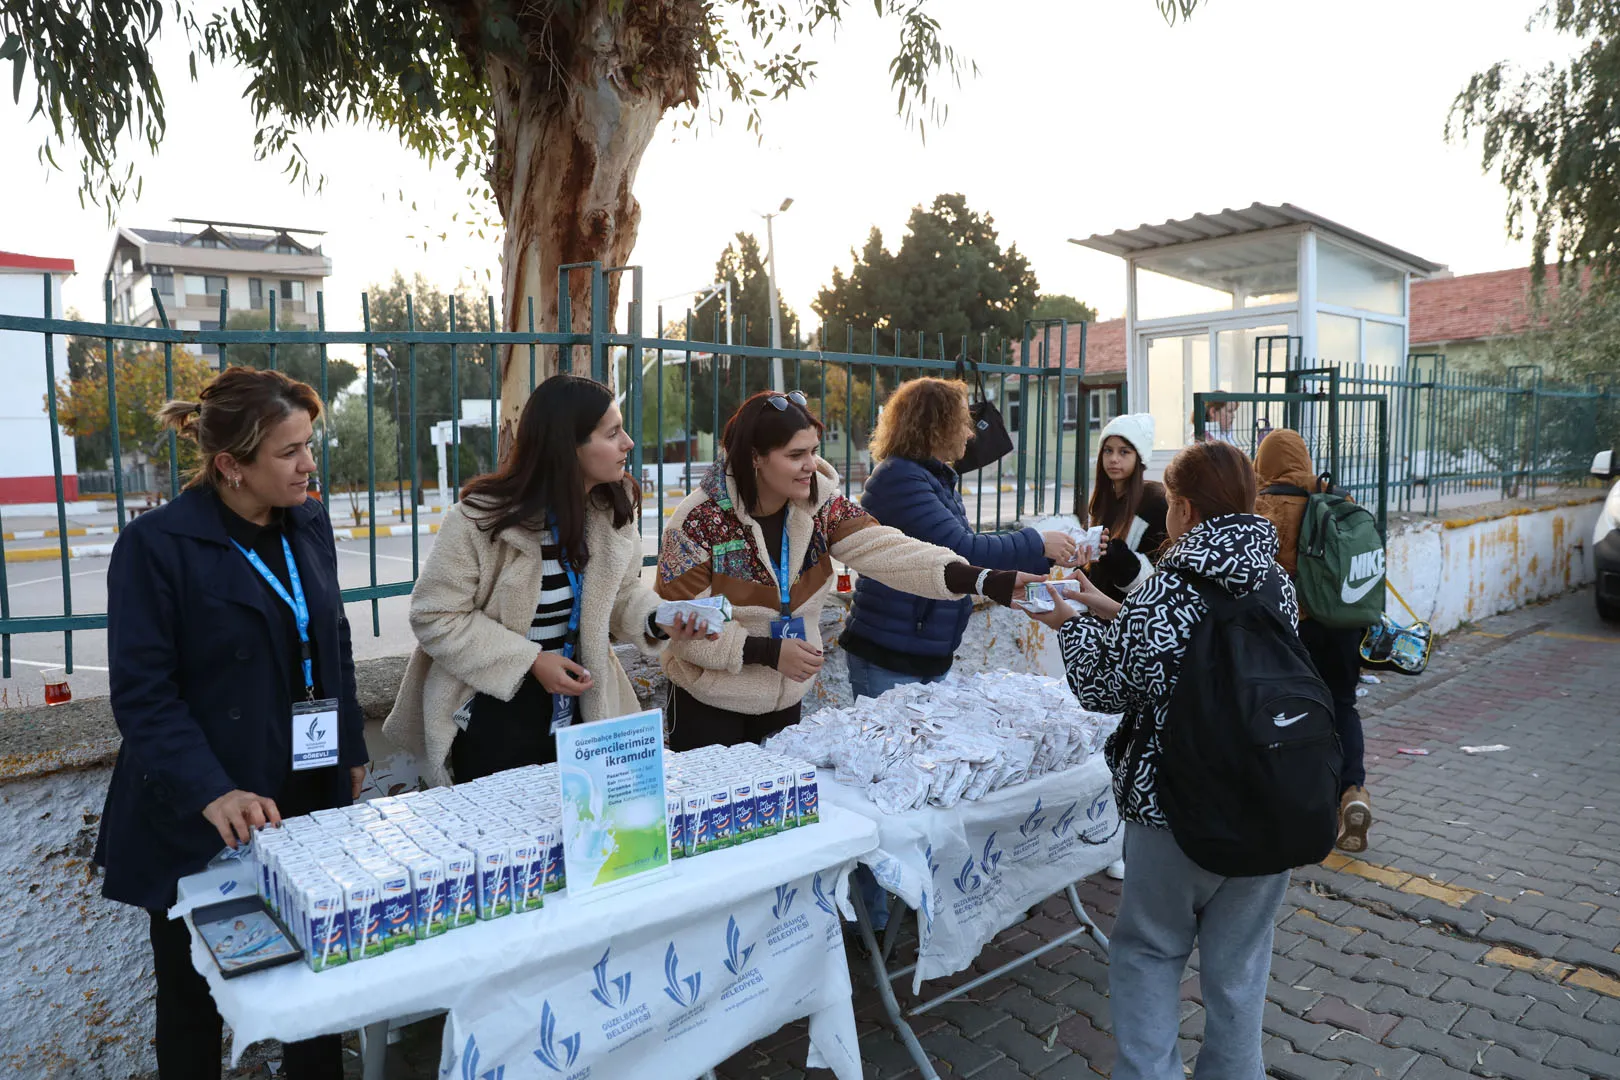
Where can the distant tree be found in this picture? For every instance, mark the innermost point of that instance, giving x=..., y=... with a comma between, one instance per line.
x=85, y=360
x=350, y=462
x=301, y=362
x=1063, y=306
x=433, y=399
x=1551, y=135
x=734, y=379
x=950, y=277
x=82, y=407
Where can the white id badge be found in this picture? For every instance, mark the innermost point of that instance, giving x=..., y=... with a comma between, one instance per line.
x=315, y=734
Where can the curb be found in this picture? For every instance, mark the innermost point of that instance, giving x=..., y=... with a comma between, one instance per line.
x=102, y=551
x=54, y=534
x=382, y=532
x=77, y=551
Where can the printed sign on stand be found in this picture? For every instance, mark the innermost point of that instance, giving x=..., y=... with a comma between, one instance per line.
x=615, y=830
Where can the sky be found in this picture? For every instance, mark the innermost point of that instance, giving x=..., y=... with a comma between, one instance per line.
x=1084, y=116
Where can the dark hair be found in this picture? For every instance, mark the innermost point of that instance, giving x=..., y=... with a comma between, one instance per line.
x=234, y=413
x=1114, y=512
x=1215, y=477
x=540, y=474
x=758, y=427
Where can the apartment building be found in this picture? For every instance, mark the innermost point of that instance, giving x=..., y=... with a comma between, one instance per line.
x=190, y=266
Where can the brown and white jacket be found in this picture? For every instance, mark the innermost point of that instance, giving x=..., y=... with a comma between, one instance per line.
x=471, y=610
x=714, y=547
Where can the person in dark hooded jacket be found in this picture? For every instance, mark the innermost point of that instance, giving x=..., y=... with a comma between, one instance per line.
x=1126, y=658
x=1283, y=460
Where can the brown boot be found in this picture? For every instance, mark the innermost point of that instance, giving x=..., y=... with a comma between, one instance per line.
x=1355, y=818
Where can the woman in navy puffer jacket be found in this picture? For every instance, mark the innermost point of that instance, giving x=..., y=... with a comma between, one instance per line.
x=892, y=637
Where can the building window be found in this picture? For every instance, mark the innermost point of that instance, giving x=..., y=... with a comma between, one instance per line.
x=213, y=286
x=1011, y=412
x=255, y=293
x=286, y=247
x=1104, y=407
x=210, y=350
x=292, y=290
x=163, y=280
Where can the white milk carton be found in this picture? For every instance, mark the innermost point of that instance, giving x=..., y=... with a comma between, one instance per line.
x=529, y=860
x=494, y=857
x=430, y=896
x=808, y=795
x=744, y=820
x=770, y=803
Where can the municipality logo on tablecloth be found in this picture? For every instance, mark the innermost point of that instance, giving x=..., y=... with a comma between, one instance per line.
x=784, y=901
x=1065, y=821
x=823, y=901
x=556, y=1054
x=469, y=1063
x=682, y=991
x=737, y=954
x=612, y=993
x=1032, y=824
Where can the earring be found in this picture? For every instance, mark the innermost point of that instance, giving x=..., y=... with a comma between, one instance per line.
x=236, y=481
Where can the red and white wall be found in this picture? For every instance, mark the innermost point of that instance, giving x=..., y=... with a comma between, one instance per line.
x=26, y=473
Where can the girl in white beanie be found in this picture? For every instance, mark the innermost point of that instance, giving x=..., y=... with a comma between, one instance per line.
x=1130, y=508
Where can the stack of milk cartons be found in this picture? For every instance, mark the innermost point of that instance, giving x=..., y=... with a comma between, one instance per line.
x=721, y=796
x=355, y=882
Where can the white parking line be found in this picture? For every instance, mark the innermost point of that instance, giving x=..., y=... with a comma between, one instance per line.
x=367, y=555
x=56, y=577
x=55, y=663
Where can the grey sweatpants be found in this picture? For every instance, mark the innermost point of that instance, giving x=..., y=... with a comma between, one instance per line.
x=1169, y=905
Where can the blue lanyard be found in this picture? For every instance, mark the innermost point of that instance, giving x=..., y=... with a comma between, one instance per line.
x=300, y=609
x=782, y=583
x=577, y=597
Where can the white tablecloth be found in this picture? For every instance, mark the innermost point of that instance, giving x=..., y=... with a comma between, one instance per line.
x=971, y=871
x=667, y=979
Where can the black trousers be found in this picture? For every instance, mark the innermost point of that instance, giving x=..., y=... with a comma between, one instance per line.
x=189, y=1029
x=190, y=1033
x=506, y=734
x=1337, y=656
x=696, y=724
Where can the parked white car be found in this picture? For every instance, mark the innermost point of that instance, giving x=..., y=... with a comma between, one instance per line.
x=1606, y=540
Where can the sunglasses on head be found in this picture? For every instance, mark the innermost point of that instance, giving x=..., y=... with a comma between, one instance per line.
x=779, y=401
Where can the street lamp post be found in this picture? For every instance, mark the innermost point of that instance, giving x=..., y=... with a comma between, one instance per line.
x=399, y=446
x=778, y=380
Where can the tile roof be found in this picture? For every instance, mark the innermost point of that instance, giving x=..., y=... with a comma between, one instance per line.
x=1105, y=350
x=1472, y=307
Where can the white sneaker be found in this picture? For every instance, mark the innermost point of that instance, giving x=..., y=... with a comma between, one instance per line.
x=1116, y=870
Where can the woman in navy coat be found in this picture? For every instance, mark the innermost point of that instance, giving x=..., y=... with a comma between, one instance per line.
x=207, y=665
x=891, y=637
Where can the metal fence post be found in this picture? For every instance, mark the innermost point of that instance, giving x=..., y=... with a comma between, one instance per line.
x=112, y=411
x=56, y=466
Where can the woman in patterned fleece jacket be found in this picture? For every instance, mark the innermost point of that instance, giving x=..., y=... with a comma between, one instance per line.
x=1126, y=658
x=726, y=539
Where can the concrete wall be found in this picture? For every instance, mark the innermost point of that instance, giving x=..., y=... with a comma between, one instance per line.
x=1464, y=568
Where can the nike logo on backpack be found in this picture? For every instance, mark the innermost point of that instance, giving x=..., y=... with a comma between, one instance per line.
x=1369, y=567
x=1281, y=721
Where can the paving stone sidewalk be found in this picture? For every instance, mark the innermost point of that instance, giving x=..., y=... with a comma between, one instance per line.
x=1477, y=937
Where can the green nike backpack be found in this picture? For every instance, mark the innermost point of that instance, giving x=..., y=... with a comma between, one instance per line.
x=1341, y=557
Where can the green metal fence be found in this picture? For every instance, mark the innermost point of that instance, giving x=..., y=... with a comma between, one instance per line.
x=1047, y=463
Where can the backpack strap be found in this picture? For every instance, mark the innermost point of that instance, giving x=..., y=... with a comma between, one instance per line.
x=1287, y=489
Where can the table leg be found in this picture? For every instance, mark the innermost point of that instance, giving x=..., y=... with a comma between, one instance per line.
x=863, y=923
x=1087, y=926
x=374, y=1051
x=1084, y=916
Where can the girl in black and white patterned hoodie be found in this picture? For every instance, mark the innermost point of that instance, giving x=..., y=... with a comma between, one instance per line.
x=1126, y=658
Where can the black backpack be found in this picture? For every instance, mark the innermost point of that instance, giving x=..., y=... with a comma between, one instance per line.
x=1249, y=777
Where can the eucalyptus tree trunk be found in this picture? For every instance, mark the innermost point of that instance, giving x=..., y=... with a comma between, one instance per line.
x=570, y=128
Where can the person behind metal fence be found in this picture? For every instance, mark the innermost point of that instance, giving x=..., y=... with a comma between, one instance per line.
x=232, y=682
x=759, y=531
x=893, y=637
x=1129, y=507
x=533, y=574
x=1126, y=658
x=1284, y=461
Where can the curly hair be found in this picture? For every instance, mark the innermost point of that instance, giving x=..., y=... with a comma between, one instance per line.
x=926, y=418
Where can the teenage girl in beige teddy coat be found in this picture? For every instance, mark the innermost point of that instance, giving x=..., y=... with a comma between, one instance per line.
x=491, y=607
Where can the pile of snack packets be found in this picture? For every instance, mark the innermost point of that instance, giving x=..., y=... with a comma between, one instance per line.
x=960, y=738
x=358, y=881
